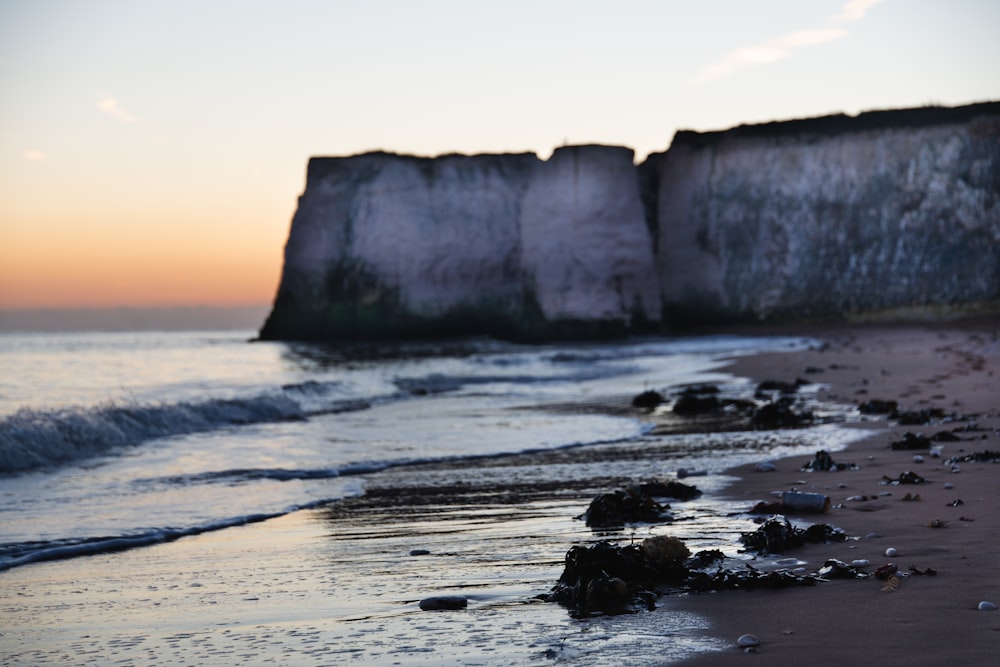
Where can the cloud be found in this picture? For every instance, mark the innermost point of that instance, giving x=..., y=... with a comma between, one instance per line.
x=776, y=49
x=767, y=52
x=855, y=10
x=34, y=155
x=109, y=105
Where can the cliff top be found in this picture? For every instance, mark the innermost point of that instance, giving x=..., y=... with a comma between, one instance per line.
x=837, y=124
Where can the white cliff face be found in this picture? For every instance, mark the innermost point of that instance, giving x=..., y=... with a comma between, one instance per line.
x=443, y=232
x=586, y=251
x=389, y=245
x=815, y=218
x=814, y=224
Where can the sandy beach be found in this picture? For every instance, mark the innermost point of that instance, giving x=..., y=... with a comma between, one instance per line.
x=341, y=584
x=926, y=620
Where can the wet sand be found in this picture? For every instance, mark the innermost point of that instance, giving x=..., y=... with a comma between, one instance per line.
x=341, y=584
x=955, y=531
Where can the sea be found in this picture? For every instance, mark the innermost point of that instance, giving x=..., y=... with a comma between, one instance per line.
x=112, y=443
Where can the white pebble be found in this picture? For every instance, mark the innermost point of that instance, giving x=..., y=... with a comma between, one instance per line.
x=746, y=641
x=871, y=535
x=861, y=562
x=949, y=485
x=987, y=606
x=891, y=552
x=918, y=459
x=956, y=468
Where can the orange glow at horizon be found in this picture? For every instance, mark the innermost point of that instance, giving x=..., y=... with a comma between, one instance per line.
x=152, y=265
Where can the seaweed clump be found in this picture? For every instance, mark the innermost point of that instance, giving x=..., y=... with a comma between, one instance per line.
x=636, y=504
x=608, y=579
x=777, y=535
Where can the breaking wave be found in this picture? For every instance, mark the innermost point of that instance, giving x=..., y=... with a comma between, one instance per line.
x=32, y=439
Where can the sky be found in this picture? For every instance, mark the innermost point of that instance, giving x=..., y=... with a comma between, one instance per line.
x=152, y=152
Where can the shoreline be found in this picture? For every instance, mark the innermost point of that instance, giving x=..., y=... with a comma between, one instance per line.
x=341, y=583
x=926, y=620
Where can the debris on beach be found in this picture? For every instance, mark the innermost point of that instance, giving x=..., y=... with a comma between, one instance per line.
x=611, y=511
x=648, y=399
x=444, y=602
x=636, y=504
x=777, y=535
x=838, y=569
x=911, y=441
x=877, y=406
x=824, y=461
x=985, y=456
x=917, y=417
x=696, y=400
x=777, y=386
x=892, y=583
x=908, y=477
x=608, y=579
x=886, y=571
x=748, y=643
x=780, y=414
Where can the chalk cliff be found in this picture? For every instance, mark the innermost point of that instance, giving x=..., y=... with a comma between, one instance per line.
x=387, y=246
x=816, y=218
x=830, y=216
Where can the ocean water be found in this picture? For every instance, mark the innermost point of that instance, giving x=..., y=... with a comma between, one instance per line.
x=113, y=442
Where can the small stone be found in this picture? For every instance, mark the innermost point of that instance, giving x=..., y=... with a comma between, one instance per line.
x=420, y=552
x=891, y=552
x=918, y=459
x=949, y=485
x=861, y=562
x=985, y=605
x=444, y=602
x=766, y=466
x=747, y=641
x=870, y=536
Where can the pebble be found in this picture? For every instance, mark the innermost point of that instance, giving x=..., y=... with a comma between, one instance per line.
x=891, y=552
x=746, y=641
x=918, y=459
x=949, y=485
x=956, y=468
x=444, y=602
x=985, y=605
x=420, y=552
x=871, y=535
x=861, y=562
x=766, y=466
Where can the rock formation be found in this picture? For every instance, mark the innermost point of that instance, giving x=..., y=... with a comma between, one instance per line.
x=389, y=246
x=831, y=216
x=822, y=217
